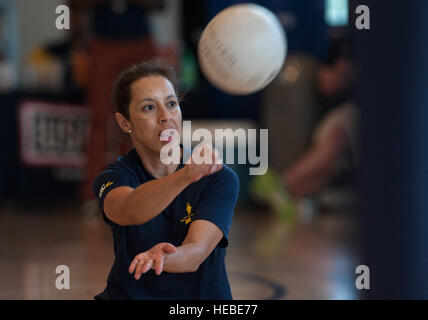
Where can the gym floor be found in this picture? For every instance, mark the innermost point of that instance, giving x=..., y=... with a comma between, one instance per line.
x=265, y=259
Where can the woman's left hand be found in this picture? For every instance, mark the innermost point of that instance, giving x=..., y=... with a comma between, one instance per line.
x=151, y=259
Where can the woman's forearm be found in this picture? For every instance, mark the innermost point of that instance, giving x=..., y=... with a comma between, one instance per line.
x=151, y=198
x=187, y=259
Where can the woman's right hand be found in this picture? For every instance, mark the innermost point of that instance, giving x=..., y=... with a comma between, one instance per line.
x=151, y=259
x=205, y=160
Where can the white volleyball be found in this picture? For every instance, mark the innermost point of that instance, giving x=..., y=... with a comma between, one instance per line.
x=242, y=49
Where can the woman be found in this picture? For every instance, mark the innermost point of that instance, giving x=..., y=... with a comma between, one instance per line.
x=170, y=223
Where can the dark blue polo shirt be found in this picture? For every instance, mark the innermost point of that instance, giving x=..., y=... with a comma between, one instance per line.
x=212, y=198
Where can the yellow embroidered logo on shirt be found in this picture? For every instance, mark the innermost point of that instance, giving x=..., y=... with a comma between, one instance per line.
x=187, y=219
x=103, y=187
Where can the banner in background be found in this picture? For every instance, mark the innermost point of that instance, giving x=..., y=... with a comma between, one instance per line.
x=53, y=134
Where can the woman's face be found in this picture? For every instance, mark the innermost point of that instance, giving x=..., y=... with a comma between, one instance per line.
x=154, y=107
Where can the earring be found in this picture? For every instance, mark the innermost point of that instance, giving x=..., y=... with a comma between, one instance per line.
x=129, y=131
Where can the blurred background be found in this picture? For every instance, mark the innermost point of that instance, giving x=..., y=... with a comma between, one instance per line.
x=347, y=122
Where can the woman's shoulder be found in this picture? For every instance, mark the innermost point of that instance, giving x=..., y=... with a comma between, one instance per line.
x=127, y=160
x=124, y=164
x=117, y=173
x=228, y=173
x=224, y=177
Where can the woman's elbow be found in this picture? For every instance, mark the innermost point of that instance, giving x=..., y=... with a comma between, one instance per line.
x=194, y=267
x=125, y=217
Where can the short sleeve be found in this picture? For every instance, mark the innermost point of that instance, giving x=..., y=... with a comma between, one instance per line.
x=218, y=200
x=105, y=182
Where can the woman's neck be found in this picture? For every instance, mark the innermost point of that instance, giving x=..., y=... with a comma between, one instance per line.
x=153, y=164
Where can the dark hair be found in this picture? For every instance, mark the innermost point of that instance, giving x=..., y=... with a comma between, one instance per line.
x=121, y=96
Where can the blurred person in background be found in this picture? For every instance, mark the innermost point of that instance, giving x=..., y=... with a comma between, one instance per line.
x=105, y=36
x=318, y=165
x=334, y=134
x=311, y=123
x=120, y=36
